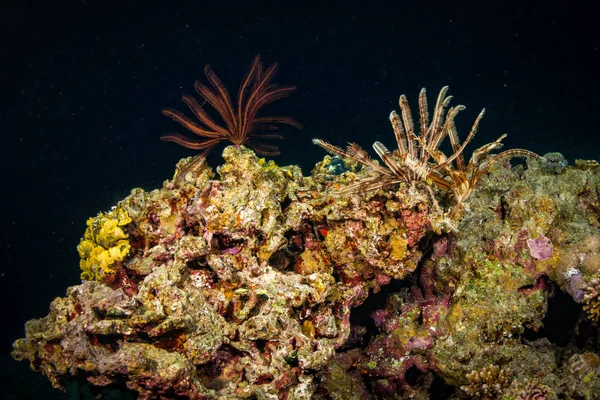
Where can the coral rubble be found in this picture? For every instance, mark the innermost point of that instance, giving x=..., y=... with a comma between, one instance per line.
x=250, y=283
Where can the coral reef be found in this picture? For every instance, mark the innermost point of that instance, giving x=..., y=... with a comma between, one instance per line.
x=229, y=288
x=259, y=282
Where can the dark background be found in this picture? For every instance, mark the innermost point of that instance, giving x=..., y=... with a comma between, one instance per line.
x=83, y=84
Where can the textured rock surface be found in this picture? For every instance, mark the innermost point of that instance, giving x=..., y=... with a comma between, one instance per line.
x=243, y=284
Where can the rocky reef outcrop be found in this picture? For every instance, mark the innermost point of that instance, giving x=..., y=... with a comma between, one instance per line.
x=259, y=282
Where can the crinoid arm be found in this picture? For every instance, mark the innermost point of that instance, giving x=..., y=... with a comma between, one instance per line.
x=505, y=155
x=399, y=132
x=423, y=112
x=458, y=148
x=353, y=152
x=262, y=148
x=207, y=129
x=388, y=160
x=272, y=124
x=330, y=148
x=218, y=98
x=483, y=150
x=188, y=143
x=409, y=126
x=434, y=131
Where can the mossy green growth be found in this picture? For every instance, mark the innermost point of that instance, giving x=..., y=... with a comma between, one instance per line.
x=104, y=245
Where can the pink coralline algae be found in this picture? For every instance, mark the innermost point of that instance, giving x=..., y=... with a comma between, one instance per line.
x=540, y=248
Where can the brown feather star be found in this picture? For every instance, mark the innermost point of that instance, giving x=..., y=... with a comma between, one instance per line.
x=239, y=121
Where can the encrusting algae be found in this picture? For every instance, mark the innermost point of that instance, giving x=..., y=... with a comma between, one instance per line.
x=255, y=281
